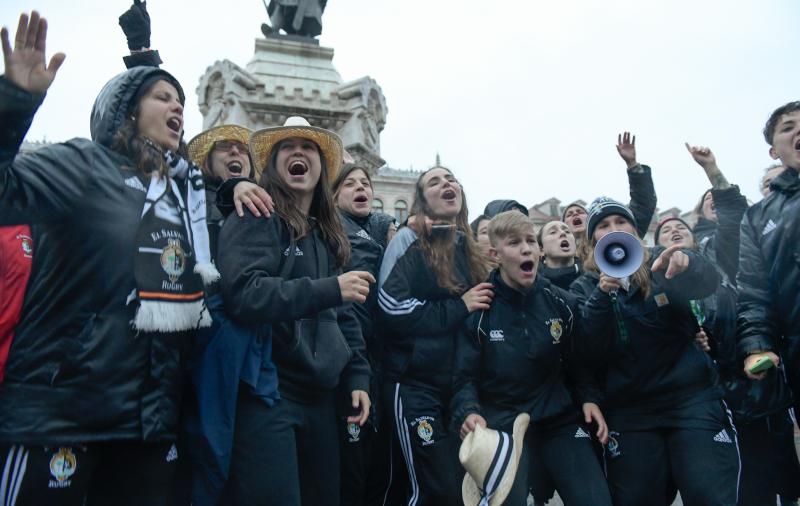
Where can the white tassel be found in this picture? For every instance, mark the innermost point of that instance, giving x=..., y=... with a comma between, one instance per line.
x=159, y=316
x=208, y=272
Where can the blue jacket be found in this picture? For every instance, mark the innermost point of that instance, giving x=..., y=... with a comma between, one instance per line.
x=224, y=356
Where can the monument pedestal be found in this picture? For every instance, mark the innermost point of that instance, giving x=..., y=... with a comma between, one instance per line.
x=290, y=77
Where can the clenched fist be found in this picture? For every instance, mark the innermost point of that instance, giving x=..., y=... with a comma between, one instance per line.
x=354, y=285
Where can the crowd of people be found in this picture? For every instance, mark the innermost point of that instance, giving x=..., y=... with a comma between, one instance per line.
x=227, y=321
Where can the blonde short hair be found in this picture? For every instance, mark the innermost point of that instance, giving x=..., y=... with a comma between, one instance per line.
x=509, y=223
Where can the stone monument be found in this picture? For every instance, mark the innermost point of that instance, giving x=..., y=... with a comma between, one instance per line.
x=292, y=75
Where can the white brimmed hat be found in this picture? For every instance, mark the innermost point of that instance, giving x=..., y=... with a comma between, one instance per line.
x=263, y=141
x=491, y=458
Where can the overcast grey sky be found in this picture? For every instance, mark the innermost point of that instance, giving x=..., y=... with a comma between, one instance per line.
x=522, y=99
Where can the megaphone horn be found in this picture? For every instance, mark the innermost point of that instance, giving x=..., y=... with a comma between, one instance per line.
x=618, y=254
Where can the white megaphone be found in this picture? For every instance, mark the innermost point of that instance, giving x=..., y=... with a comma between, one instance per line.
x=618, y=254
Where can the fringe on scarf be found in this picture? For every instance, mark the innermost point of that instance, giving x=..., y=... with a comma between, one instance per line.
x=160, y=316
x=208, y=272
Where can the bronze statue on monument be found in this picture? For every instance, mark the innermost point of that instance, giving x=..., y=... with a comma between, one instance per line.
x=301, y=18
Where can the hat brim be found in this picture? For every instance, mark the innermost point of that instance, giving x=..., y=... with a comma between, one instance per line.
x=471, y=494
x=200, y=146
x=263, y=141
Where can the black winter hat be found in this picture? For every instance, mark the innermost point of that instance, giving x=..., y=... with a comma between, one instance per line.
x=496, y=207
x=605, y=206
x=665, y=220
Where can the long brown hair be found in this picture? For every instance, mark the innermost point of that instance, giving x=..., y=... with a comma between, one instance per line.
x=439, y=248
x=322, y=207
x=640, y=278
x=584, y=248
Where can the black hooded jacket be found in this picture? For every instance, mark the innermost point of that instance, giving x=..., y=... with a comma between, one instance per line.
x=516, y=355
x=317, y=340
x=76, y=371
x=647, y=356
x=769, y=276
x=719, y=242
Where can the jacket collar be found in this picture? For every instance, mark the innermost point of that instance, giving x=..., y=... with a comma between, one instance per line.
x=704, y=227
x=786, y=182
x=501, y=289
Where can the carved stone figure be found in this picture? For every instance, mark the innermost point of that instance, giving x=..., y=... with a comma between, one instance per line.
x=217, y=108
x=295, y=17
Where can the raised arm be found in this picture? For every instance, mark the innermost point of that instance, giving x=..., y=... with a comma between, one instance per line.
x=706, y=159
x=730, y=205
x=640, y=181
x=44, y=185
x=135, y=24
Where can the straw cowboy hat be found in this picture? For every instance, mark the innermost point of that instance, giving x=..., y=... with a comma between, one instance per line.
x=202, y=144
x=491, y=459
x=263, y=141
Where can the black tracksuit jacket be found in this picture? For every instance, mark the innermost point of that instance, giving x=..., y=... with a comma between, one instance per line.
x=769, y=276
x=254, y=253
x=516, y=356
x=419, y=320
x=660, y=366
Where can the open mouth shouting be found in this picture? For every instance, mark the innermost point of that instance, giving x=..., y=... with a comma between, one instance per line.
x=449, y=195
x=797, y=145
x=360, y=198
x=235, y=168
x=564, y=245
x=577, y=221
x=298, y=168
x=527, y=268
x=175, y=124
x=676, y=238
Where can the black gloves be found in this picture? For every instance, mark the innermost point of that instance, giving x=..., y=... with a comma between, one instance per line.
x=135, y=22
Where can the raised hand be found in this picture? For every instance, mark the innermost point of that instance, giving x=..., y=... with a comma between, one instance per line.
x=673, y=260
x=702, y=155
x=706, y=159
x=25, y=64
x=626, y=147
x=135, y=23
